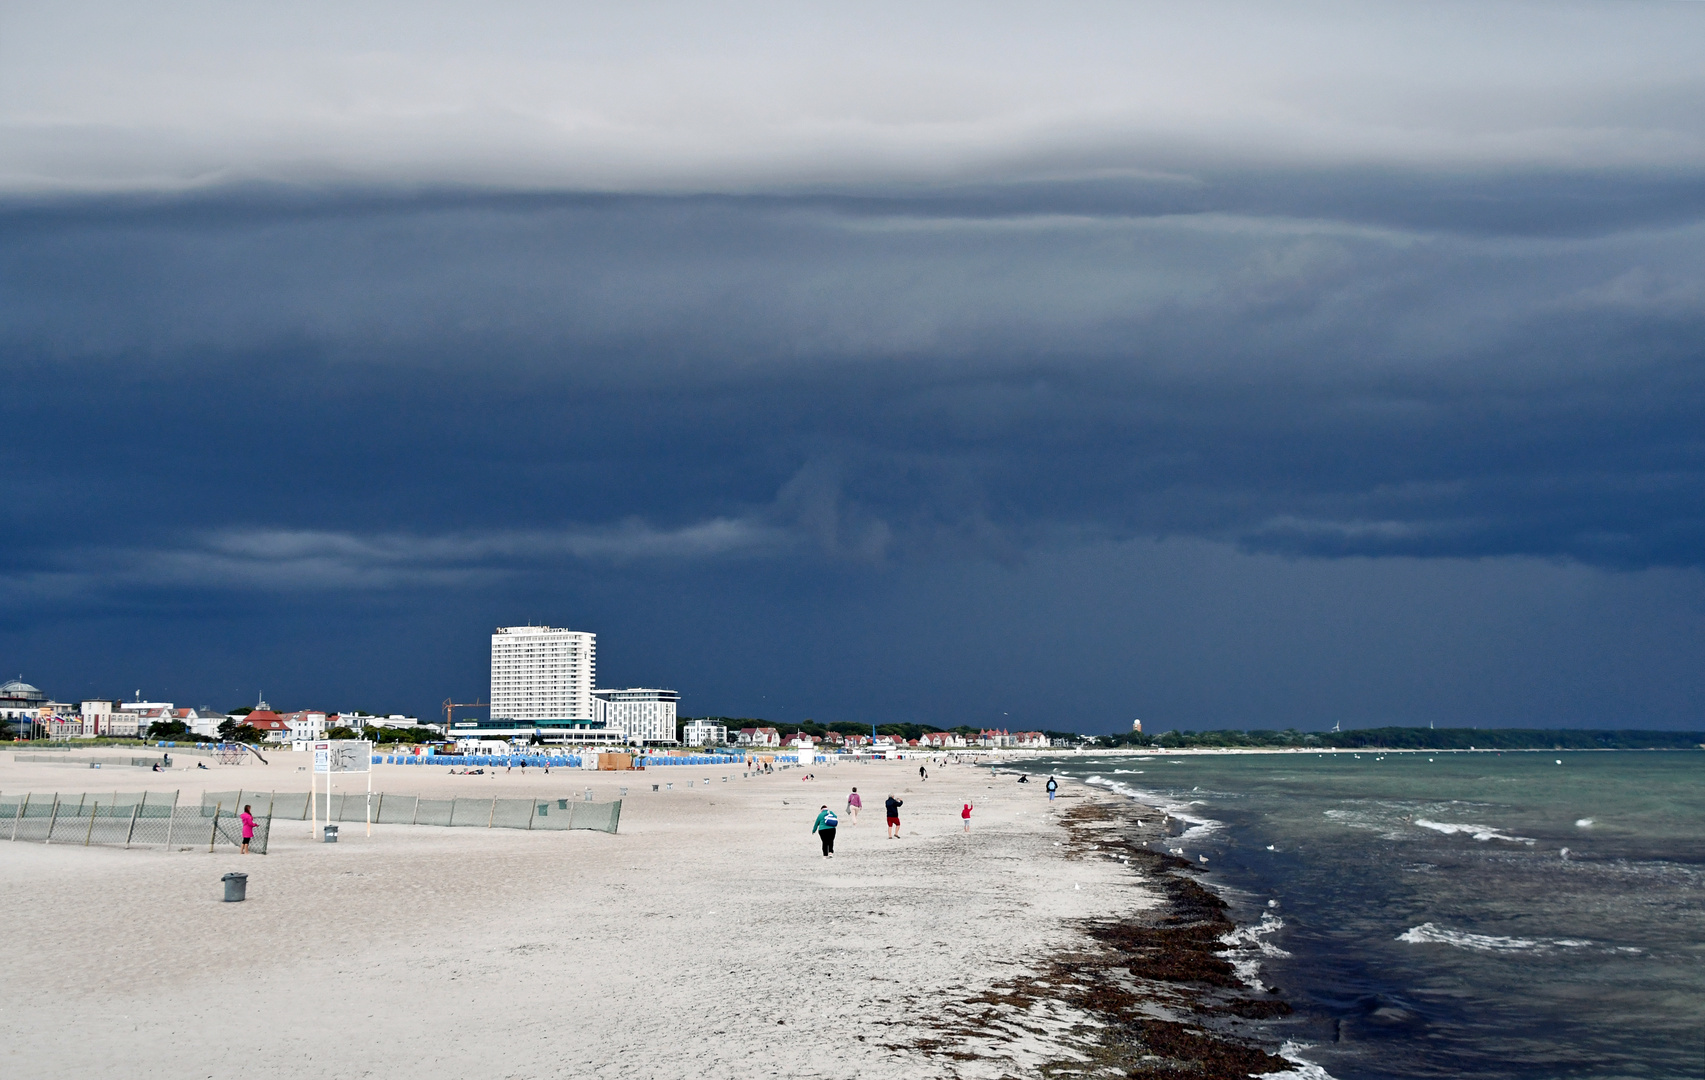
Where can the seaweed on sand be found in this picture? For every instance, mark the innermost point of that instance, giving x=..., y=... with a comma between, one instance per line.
x=1148, y=998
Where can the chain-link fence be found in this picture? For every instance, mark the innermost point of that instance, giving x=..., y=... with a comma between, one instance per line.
x=126, y=819
x=391, y=809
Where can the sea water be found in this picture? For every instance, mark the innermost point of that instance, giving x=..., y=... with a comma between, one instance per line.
x=1520, y=915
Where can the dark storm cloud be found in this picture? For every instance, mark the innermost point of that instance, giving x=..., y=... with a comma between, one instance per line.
x=883, y=381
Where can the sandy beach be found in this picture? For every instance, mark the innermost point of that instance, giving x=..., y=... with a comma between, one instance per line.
x=709, y=937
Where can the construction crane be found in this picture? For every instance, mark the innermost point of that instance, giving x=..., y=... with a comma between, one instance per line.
x=450, y=705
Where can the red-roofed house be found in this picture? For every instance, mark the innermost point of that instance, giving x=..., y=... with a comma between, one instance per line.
x=268, y=723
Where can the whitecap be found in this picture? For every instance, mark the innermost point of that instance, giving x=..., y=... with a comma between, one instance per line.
x=1304, y=1069
x=1479, y=832
x=1247, y=945
x=1198, y=827
x=1584, y=823
x=1433, y=934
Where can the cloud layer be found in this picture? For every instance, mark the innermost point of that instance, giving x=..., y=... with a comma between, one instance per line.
x=739, y=333
x=766, y=96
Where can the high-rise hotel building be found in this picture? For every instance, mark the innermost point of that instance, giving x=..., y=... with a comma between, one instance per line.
x=542, y=676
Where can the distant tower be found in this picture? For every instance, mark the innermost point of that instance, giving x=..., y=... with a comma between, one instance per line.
x=1137, y=726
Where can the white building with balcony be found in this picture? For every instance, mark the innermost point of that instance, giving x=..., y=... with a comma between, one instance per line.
x=644, y=717
x=704, y=733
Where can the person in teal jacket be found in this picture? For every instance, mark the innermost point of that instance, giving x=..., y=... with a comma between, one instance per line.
x=824, y=827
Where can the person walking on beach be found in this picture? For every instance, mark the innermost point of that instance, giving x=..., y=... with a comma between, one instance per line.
x=824, y=827
x=248, y=828
x=893, y=805
x=921, y=774
x=1053, y=786
x=966, y=814
x=854, y=804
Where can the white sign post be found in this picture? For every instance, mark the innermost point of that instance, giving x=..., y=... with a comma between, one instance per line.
x=345, y=756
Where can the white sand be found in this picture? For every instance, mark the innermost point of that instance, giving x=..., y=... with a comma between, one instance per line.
x=709, y=938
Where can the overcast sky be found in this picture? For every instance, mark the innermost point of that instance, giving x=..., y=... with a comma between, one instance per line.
x=1224, y=365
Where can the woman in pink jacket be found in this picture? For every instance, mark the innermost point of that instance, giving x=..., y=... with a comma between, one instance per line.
x=853, y=804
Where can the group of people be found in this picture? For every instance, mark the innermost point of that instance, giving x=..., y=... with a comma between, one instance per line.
x=827, y=820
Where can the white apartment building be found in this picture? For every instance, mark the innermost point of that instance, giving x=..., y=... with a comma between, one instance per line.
x=704, y=733
x=542, y=675
x=644, y=717
x=305, y=726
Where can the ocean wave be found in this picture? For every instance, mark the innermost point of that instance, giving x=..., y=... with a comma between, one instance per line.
x=1433, y=934
x=1247, y=945
x=1479, y=832
x=1198, y=826
x=1304, y=1070
x=1584, y=823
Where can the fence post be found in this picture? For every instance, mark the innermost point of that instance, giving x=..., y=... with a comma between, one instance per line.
x=172, y=818
x=214, y=835
x=532, y=808
x=52, y=819
x=135, y=811
x=25, y=805
x=414, y=818
x=571, y=804
x=91, y=833
x=491, y=818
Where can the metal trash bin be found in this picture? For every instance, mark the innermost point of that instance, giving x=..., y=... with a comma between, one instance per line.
x=236, y=887
x=331, y=834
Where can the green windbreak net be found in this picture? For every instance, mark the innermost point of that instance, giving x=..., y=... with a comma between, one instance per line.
x=126, y=819
x=164, y=820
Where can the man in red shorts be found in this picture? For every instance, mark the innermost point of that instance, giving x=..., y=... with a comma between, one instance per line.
x=893, y=806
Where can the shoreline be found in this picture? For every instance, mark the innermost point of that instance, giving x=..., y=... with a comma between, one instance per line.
x=1146, y=993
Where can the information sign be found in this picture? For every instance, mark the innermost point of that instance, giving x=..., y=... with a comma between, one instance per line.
x=343, y=755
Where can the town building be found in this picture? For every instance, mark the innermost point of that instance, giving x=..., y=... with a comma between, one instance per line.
x=20, y=701
x=268, y=723
x=645, y=717
x=359, y=720
x=759, y=736
x=704, y=733
x=202, y=722
x=305, y=725
x=134, y=714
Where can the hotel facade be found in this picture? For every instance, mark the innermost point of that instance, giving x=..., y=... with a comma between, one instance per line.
x=543, y=682
x=542, y=675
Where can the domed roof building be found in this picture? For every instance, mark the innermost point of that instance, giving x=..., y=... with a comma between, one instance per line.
x=18, y=699
x=20, y=691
